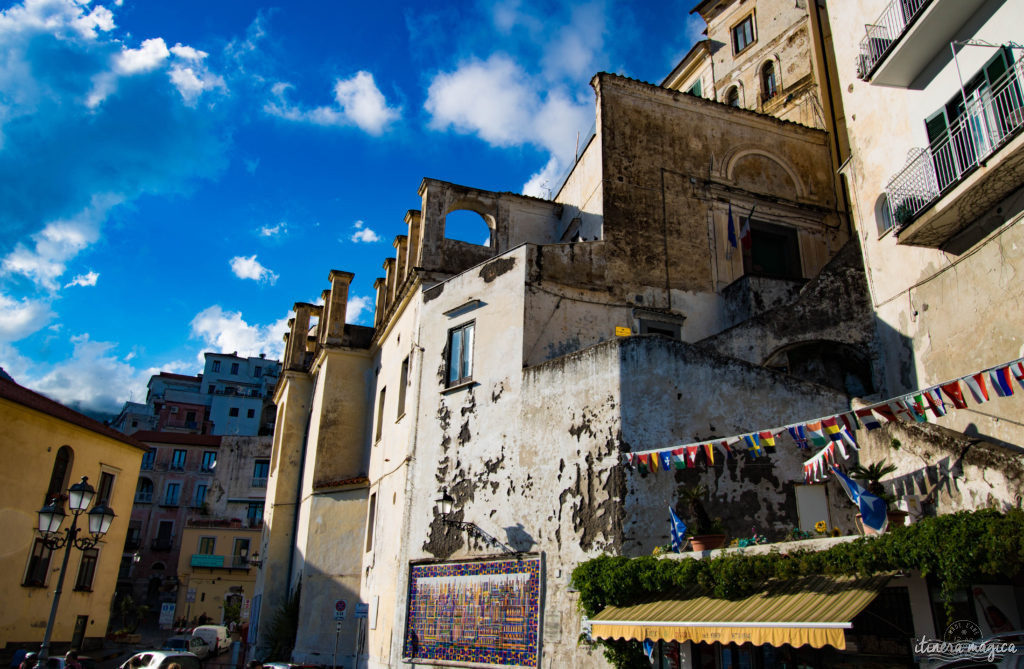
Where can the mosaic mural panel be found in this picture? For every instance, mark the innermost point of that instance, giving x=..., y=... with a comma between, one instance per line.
x=479, y=612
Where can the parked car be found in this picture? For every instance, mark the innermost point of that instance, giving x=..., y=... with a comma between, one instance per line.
x=162, y=659
x=215, y=635
x=188, y=644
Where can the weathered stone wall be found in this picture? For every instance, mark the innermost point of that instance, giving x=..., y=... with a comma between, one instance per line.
x=234, y=473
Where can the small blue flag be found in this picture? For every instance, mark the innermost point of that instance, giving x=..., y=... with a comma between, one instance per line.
x=677, y=529
x=666, y=460
x=649, y=649
x=732, y=229
x=872, y=507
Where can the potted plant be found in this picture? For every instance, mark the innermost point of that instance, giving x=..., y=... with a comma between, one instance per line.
x=872, y=475
x=707, y=533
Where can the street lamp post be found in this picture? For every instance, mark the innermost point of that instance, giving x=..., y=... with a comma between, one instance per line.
x=51, y=517
x=445, y=504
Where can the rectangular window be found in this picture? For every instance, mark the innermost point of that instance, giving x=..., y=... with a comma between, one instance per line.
x=380, y=414
x=201, y=494
x=216, y=365
x=773, y=251
x=190, y=416
x=370, y=520
x=240, y=554
x=251, y=413
x=105, y=488
x=257, y=372
x=254, y=514
x=178, y=461
x=403, y=383
x=260, y=472
x=209, y=460
x=87, y=569
x=148, y=458
x=164, y=535
x=38, y=565
x=172, y=494
x=460, y=354
x=695, y=89
x=743, y=34
x=234, y=368
x=211, y=390
x=206, y=545
x=233, y=411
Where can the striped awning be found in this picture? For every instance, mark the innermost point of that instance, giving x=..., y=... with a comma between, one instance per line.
x=811, y=610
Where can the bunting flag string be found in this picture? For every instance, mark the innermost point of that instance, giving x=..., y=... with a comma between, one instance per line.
x=835, y=432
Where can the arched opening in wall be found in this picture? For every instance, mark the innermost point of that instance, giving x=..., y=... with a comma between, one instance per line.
x=732, y=96
x=883, y=214
x=59, y=477
x=467, y=226
x=844, y=367
x=768, y=85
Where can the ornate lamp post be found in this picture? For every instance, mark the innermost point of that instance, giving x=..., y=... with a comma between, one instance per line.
x=51, y=517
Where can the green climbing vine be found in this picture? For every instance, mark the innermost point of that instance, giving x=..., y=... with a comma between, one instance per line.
x=953, y=549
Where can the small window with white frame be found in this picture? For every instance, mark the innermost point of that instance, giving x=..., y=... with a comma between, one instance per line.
x=460, y=354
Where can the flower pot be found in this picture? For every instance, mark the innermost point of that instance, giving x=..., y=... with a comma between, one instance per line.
x=707, y=542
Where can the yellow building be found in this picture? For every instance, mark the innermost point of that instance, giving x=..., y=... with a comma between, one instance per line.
x=46, y=448
x=214, y=569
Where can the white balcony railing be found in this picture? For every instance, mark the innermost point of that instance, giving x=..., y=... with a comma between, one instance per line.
x=989, y=119
x=884, y=32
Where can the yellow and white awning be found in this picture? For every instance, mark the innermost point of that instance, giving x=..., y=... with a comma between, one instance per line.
x=811, y=610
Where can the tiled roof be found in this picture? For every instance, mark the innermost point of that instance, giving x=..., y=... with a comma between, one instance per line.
x=10, y=390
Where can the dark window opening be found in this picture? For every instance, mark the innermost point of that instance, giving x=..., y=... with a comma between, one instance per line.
x=234, y=368
x=380, y=414
x=370, y=516
x=38, y=565
x=178, y=459
x=216, y=365
x=732, y=97
x=250, y=413
x=695, y=89
x=105, y=489
x=670, y=330
x=743, y=34
x=773, y=252
x=60, y=475
x=233, y=411
x=768, y=87
x=403, y=383
x=87, y=569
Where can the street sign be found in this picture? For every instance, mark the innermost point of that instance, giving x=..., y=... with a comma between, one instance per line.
x=362, y=609
x=166, y=615
x=339, y=609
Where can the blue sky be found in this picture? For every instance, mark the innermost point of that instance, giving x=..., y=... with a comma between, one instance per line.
x=175, y=175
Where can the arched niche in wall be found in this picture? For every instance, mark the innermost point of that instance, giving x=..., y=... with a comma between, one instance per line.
x=764, y=172
x=466, y=224
x=845, y=367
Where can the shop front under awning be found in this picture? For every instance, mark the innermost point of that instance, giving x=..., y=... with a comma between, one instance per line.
x=811, y=610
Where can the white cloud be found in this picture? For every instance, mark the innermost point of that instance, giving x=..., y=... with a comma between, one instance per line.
x=93, y=378
x=227, y=331
x=187, y=52
x=45, y=261
x=496, y=100
x=576, y=49
x=542, y=183
x=274, y=230
x=358, y=102
x=149, y=56
x=355, y=308
x=364, y=234
x=87, y=279
x=20, y=318
x=250, y=268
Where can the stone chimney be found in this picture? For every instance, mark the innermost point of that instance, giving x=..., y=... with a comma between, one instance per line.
x=332, y=325
x=412, y=217
x=380, y=283
x=401, y=245
x=391, y=280
x=295, y=351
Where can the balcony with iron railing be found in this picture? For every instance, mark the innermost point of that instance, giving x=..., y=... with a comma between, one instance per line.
x=906, y=37
x=259, y=481
x=977, y=162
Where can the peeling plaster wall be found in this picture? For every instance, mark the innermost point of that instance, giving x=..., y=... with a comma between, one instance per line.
x=949, y=471
x=233, y=475
x=673, y=394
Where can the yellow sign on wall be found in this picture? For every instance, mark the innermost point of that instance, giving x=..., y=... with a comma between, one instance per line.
x=622, y=332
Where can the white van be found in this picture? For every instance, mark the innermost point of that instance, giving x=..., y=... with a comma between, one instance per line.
x=215, y=635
